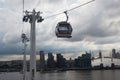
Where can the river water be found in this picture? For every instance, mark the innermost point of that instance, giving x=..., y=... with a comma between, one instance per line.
x=68, y=75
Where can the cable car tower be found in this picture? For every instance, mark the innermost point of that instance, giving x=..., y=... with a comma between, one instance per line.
x=24, y=41
x=32, y=17
x=63, y=30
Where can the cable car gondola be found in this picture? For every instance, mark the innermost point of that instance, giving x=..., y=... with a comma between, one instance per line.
x=64, y=29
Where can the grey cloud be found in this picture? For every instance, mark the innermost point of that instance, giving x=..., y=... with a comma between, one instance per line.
x=105, y=40
x=10, y=49
x=110, y=4
x=59, y=49
x=100, y=29
x=54, y=1
x=108, y=40
x=11, y=38
x=17, y=5
x=99, y=26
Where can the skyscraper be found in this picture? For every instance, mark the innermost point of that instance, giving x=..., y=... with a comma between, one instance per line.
x=50, y=61
x=61, y=61
x=42, y=60
x=100, y=55
x=114, y=53
x=83, y=61
x=118, y=55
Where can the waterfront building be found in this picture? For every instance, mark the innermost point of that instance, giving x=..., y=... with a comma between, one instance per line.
x=106, y=62
x=114, y=55
x=61, y=61
x=42, y=60
x=83, y=61
x=50, y=61
x=118, y=55
x=70, y=63
x=100, y=55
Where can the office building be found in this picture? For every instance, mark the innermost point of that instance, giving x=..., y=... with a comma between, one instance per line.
x=114, y=55
x=83, y=61
x=50, y=61
x=61, y=61
x=42, y=60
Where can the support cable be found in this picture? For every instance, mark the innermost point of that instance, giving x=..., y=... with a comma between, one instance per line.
x=23, y=6
x=69, y=9
x=80, y=5
x=38, y=3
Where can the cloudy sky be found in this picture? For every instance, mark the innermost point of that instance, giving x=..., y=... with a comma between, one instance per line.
x=96, y=26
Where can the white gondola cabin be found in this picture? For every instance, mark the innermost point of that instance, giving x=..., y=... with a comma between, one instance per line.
x=63, y=30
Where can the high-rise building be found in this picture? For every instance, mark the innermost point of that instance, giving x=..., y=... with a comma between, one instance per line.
x=61, y=61
x=100, y=55
x=70, y=63
x=42, y=60
x=84, y=61
x=114, y=55
x=118, y=55
x=50, y=61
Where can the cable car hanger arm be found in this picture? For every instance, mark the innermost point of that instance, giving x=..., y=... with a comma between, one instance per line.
x=70, y=9
x=66, y=16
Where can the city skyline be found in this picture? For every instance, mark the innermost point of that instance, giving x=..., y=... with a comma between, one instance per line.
x=95, y=54
x=95, y=26
x=58, y=61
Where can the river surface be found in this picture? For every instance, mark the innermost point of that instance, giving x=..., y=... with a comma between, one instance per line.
x=67, y=75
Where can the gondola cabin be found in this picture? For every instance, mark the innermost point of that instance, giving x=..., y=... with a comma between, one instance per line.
x=63, y=30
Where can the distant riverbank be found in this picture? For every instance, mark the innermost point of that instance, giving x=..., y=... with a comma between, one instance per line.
x=62, y=69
